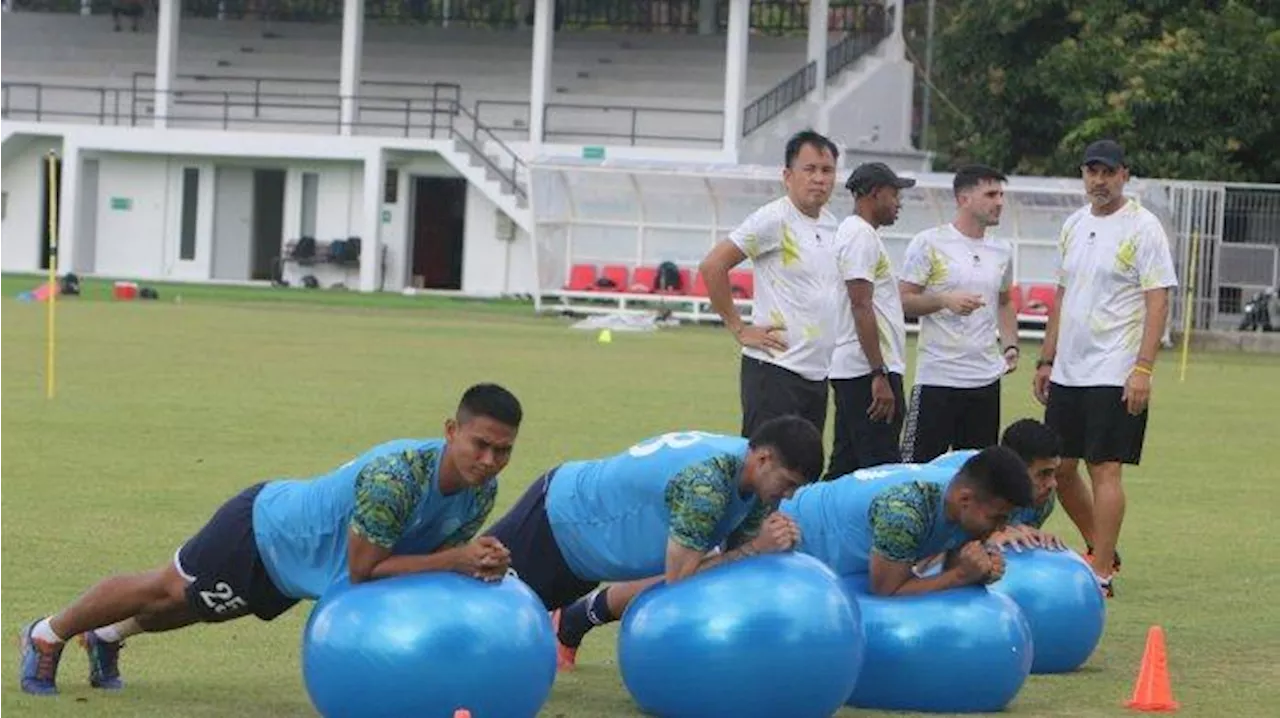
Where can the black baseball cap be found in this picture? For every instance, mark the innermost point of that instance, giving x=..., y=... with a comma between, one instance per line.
x=870, y=175
x=1107, y=152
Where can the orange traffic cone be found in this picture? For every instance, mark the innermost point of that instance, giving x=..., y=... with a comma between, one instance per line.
x=1153, y=692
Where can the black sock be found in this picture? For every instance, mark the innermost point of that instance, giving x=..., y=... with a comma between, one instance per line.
x=586, y=613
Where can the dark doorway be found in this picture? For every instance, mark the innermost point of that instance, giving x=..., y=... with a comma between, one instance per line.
x=47, y=240
x=439, y=219
x=268, y=222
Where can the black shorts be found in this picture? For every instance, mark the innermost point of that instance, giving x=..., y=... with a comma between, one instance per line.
x=1095, y=425
x=535, y=556
x=769, y=391
x=944, y=418
x=860, y=442
x=225, y=575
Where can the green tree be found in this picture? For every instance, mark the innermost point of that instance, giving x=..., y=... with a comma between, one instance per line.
x=1191, y=88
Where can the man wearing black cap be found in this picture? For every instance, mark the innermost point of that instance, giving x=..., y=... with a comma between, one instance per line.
x=1115, y=271
x=871, y=336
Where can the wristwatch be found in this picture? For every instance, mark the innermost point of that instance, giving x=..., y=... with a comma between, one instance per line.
x=880, y=371
x=1043, y=362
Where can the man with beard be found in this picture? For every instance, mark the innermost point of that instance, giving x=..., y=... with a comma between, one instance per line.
x=870, y=354
x=956, y=279
x=1115, y=271
x=786, y=349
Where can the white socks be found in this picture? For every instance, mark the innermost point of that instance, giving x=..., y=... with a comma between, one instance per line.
x=44, y=632
x=111, y=634
x=120, y=631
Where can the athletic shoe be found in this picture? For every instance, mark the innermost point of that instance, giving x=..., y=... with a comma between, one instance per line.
x=566, y=657
x=38, y=663
x=104, y=661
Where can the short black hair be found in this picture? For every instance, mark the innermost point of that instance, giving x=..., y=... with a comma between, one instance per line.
x=796, y=441
x=809, y=137
x=492, y=401
x=973, y=175
x=1032, y=440
x=998, y=472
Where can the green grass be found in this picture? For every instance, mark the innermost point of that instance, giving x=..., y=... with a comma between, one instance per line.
x=164, y=409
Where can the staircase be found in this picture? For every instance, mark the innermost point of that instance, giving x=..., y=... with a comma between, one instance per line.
x=488, y=163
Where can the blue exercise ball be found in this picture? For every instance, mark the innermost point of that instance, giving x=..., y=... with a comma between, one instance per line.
x=427, y=645
x=771, y=635
x=1059, y=595
x=953, y=459
x=962, y=650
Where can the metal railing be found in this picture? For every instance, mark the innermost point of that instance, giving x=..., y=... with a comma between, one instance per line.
x=580, y=123
x=768, y=17
x=436, y=114
x=870, y=24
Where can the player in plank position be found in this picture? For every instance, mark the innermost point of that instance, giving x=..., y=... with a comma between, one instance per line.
x=405, y=506
x=882, y=523
x=655, y=511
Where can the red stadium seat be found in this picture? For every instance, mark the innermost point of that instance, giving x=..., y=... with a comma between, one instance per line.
x=1040, y=299
x=642, y=280
x=743, y=283
x=616, y=273
x=582, y=278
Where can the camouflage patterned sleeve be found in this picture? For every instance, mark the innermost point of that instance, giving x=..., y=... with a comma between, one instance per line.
x=1033, y=516
x=485, y=497
x=900, y=518
x=750, y=526
x=697, y=499
x=386, y=494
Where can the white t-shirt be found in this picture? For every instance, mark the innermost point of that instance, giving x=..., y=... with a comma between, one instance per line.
x=958, y=351
x=796, y=283
x=1106, y=264
x=860, y=254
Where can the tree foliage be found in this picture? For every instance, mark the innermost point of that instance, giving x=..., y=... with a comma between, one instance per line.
x=1190, y=87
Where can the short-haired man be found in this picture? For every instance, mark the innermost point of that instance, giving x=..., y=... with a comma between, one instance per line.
x=1094, y=373
x=655, y=511
x=405, y=506
x=871, y=338
x=956, y=279
x=786, y=349
x=882, y=526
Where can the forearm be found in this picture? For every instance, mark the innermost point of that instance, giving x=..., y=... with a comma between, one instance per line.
x=720, y=295
x=445, y=560
x=913, y=586
x=1157, y=302
x=864, y=322
x=686, y=566
x=1008, y=326
x=919, y=304
x=1049, y=349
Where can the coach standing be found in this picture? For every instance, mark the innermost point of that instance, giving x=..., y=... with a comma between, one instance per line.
x=1094, y=374
x=870, y=357
x=957, y=280
x=786, y=349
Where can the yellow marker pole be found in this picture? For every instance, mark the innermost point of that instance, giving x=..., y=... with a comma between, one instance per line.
x=1188, y=306
x=51, y=163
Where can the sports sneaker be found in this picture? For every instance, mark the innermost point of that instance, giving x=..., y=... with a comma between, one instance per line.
x=38, y=663
x=1115, y=560
x=104, y=661
x=566, y=657
x=1107, y=586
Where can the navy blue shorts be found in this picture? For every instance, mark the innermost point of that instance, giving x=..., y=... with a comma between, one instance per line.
x=225, y=575
x=535, y=556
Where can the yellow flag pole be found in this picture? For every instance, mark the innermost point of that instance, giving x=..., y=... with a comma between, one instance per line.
x=1188, y=306
x=51, y=162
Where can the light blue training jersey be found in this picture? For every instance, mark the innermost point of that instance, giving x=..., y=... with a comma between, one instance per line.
x=612, y=517
x=390, y=495
x=896, y=510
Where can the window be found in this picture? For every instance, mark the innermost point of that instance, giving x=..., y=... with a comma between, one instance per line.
x=310, y=196
x=190, y=208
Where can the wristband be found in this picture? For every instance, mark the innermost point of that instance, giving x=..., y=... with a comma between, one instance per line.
x=1012, y=347
x=1142, y=370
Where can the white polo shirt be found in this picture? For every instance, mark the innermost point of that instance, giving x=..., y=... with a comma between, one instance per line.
x=860, y=254
x=1106, y=264
x=961, y=352
x=796, y=283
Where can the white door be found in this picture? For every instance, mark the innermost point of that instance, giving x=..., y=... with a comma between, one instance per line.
x=191, y=221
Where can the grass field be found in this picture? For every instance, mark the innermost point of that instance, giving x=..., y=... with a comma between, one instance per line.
x=164, y=409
